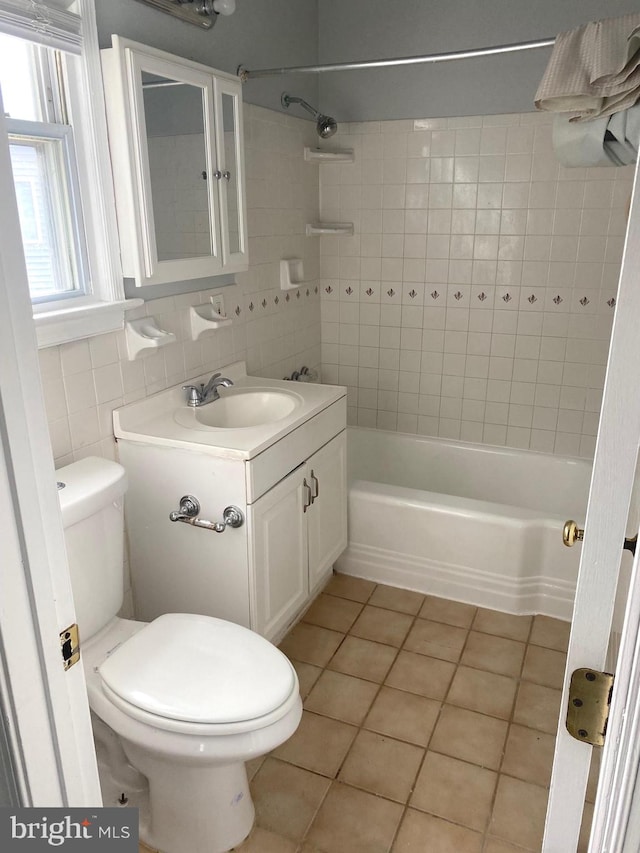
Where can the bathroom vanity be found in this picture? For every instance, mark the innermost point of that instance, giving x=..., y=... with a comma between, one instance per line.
x=275, y=451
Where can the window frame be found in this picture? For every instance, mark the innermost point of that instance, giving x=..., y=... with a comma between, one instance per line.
x=73, y=230
x=102, y=308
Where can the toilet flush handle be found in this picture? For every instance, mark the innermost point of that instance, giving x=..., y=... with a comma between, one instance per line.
x=232, y=516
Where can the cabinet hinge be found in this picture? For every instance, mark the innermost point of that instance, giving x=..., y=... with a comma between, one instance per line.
x=70, y=646
x=589, y=701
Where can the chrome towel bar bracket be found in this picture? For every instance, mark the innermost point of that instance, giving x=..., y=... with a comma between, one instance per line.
x=232, y=516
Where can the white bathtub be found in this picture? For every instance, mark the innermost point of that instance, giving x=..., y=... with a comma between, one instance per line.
x=469, y=522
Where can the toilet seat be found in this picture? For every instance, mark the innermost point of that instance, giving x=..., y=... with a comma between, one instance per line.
x=201, y=731
x=186, y=672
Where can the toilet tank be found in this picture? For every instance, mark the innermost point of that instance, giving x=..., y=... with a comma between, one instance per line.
x=91, y=501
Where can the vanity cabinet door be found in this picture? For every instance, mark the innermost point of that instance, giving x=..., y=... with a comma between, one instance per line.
x=278, y=529
x=327, y=516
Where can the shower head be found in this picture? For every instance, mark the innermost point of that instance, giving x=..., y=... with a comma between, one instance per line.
x=325, y=125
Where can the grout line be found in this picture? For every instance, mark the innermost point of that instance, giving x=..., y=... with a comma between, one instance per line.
x=511, y=723
x=361, y=726
x=325, y=669
x=405, y=805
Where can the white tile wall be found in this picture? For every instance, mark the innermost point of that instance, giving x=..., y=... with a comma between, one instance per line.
x=179, y=195
x=476, y=297
x=275, y=332
x=474, y=300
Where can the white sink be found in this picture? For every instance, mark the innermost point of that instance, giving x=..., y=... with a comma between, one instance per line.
x=240, y=409
x=255, y=413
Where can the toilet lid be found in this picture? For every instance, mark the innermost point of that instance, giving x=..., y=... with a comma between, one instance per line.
x=199, y=669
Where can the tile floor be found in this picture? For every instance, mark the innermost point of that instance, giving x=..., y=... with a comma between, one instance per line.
x=428, y=727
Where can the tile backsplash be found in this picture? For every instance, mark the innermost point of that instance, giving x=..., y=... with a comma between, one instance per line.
x=275, y=332
x=475, y=299
x=473, y=302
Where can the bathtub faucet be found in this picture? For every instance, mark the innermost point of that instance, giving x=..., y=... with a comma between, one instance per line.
x=199, y=396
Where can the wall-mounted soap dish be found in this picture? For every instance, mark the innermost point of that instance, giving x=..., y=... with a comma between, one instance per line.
x=291, y=273
x=145, y=334
x=206, y=318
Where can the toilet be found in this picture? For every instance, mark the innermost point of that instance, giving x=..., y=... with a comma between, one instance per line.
x=178, y=704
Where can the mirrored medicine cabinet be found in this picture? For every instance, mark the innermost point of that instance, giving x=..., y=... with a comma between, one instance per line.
x=176, y=139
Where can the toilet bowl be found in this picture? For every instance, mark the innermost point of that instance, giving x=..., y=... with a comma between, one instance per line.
x=190, y=698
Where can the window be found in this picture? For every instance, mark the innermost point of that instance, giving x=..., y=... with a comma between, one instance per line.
x=54, y=114
x=45, y=173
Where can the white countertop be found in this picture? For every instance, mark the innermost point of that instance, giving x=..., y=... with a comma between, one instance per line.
x=152, y=420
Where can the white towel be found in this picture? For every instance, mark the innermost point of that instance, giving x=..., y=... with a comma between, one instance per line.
x=621, y=139
x=581, y=143
x=594, y=70
x=605, y=141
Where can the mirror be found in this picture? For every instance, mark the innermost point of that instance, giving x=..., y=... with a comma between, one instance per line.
x=177, y=145
x=175, y=133
x=231, y=165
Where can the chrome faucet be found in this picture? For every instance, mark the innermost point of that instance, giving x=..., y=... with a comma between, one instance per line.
x=200, y=395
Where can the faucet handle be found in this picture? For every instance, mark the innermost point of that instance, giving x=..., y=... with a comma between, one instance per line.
x=195, y=394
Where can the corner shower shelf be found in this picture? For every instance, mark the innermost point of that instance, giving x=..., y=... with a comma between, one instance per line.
x=321, y=155
x=314, y=230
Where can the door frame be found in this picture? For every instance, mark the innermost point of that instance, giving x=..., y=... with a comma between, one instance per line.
x=48, y=719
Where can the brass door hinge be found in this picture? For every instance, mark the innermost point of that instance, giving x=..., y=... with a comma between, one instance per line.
x=589, y=702
x=70, y=646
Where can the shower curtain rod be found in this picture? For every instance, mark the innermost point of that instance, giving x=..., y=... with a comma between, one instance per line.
x=247, y=74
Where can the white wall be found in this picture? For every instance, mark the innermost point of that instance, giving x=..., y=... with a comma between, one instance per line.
x=375, y=29
x=474, y=300
x=277, y=33
x=260, y=34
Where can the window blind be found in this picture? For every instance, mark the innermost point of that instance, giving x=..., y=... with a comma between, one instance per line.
x=46, y=22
